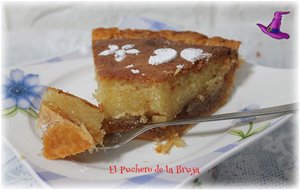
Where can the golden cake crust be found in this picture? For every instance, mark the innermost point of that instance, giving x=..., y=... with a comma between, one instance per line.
x=72, y=95
x=108, y=68
x=65, y=139
x=187, y=37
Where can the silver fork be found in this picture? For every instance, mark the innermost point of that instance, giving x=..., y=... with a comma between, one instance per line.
x=115, y=140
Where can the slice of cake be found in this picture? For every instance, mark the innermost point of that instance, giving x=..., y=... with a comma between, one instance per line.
x=147, y=77
x=70, y=125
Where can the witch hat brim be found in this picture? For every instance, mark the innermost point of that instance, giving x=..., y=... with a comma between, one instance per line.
x=278, y=35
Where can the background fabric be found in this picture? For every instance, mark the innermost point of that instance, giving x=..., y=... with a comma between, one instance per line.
x=58, y=28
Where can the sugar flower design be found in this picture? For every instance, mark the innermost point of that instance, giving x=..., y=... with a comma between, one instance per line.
x=135, y=71
x=192, y=54
x=164, y=55
x=119, y=54
x=22, y=93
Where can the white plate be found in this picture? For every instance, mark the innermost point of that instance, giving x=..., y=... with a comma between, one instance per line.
x=256, y=86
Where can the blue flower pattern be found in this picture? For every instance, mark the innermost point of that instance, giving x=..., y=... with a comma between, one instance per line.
x=21, y=92
x=249, y=108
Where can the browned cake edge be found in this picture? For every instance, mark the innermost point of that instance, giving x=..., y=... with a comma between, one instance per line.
x=59, y=91
x=188, y=37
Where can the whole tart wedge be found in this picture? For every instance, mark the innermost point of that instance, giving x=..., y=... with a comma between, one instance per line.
x=147, y=77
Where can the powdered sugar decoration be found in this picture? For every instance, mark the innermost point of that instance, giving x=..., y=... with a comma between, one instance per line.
x=112, y=49
x=128, y=46
x=119, y=54
x=192, y=54
x=129, y=66
x=135, y=71
x=162, y=55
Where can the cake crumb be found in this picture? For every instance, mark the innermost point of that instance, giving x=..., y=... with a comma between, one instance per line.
x=179, y=67
x=135, y=71
x=44, y=127
x=22, y=157
x=143, y=119
x=201, y=97
x=174, y=140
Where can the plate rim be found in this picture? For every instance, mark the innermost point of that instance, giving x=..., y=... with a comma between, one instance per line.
x=246, y=144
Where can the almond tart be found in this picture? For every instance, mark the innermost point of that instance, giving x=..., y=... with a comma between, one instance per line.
x=148, y=76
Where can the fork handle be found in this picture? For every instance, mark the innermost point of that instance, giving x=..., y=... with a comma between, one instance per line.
x=283, y=109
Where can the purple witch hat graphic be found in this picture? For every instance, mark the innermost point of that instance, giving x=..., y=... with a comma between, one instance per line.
x=273, y=29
